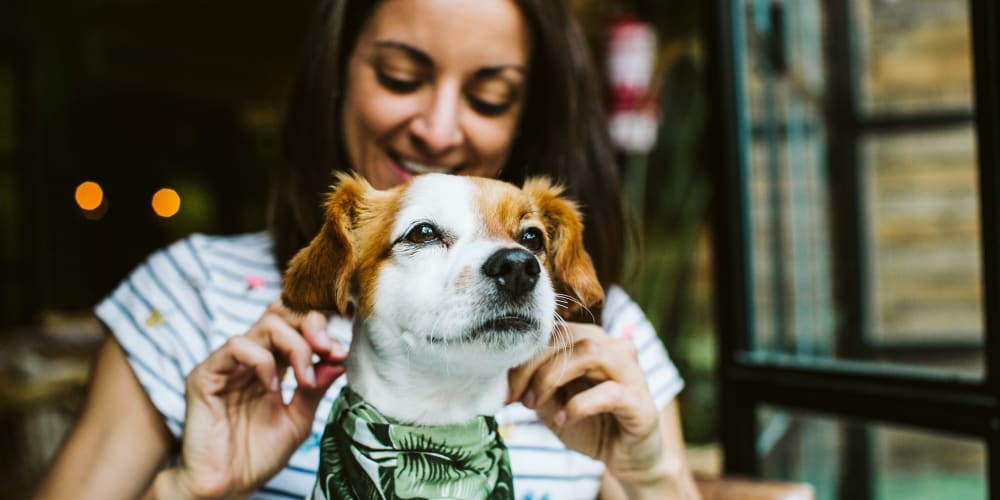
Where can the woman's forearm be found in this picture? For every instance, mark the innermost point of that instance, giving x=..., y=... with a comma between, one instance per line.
x=670, y=481
x=165, y=486
x=118, y=442
x=670, y=477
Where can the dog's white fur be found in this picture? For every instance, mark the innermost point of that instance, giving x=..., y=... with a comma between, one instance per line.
x=419, y=352
x=412, y=359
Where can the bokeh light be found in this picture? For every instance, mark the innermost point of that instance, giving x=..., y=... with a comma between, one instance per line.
x=166, y=202
x=89, y=195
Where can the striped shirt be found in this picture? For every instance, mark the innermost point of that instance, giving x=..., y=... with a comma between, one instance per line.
x=187, y=299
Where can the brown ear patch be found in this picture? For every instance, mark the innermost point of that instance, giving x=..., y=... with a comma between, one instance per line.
x=569, y=264
x=319, y=275
x=374, y=217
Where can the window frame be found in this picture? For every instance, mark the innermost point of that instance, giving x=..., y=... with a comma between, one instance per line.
x=848, y=389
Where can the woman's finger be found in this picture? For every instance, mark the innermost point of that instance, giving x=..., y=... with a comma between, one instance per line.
x=609, y=397
x=235, y=354
x=305, y=400
x=605, y=397
x=520, y=377
x=280, y=337
x=559, y=370
x=313, y=326
x=593, y=359
x=562, y=340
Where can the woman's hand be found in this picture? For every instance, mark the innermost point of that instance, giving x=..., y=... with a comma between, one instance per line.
x=594, y=397
x=238, y=431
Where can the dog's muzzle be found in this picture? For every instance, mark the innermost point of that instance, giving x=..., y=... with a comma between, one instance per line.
x=514, y=270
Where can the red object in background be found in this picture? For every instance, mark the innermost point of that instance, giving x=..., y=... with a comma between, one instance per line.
x=630, y=63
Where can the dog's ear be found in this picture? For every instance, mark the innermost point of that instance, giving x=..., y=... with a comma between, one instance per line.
x=570, y=266
x=319, y=275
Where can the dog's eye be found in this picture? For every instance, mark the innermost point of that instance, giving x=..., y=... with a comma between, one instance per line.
x=422, y=233
x=532, y=239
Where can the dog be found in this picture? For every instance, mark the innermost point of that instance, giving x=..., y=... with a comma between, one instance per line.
x=452, y=281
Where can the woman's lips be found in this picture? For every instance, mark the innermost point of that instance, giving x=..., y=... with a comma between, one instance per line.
x=404, y=174
x=416, y=168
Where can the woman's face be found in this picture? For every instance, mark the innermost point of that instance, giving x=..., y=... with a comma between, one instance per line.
x=435, y=86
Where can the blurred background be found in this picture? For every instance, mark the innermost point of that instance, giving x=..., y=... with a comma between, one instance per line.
x=839, y=137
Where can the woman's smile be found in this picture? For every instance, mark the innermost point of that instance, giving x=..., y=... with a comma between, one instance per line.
x=416, y=167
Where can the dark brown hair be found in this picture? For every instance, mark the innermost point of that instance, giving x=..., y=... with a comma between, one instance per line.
x=562, y=131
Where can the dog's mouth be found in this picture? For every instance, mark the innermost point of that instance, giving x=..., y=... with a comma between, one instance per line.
x=502, y=328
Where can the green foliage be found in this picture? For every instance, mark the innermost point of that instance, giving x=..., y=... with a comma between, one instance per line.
x=667, y=195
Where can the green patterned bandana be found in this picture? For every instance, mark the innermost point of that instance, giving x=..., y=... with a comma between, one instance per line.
x=366, y=456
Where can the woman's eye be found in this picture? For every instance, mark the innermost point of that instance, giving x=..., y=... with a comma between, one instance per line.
x=532, y=239
x=487, y=108
x=491, y=95
x=422, y=233
x=395, y=84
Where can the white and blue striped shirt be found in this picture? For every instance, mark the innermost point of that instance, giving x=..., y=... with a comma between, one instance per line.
x=187, y=299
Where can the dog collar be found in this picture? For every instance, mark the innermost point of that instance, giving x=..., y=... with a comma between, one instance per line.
x=366, y=455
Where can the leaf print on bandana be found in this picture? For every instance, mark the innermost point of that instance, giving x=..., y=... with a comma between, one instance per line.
x=364, y=455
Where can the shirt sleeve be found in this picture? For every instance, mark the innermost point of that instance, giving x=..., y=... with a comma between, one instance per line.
x=159, y=316
x=622, y=317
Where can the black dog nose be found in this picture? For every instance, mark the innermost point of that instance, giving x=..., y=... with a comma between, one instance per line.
x=515, y=270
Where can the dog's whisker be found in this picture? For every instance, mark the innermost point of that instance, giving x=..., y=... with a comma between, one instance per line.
x=573, y=300
x=567, y=298
x=563, y=341
x=565, y=336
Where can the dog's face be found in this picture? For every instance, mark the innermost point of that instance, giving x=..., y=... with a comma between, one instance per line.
x=455, y=271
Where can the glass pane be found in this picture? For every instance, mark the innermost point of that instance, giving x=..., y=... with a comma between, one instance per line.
x=786, y=150
x=914, y=54
x=919, y=268
x=839, y=457
x=923, y=248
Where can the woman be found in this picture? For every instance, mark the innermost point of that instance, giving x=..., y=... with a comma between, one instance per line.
x=390, y=89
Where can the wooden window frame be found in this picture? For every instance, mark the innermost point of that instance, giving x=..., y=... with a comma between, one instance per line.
x=849, y=390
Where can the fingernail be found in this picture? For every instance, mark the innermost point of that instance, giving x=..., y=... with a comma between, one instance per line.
x=528, y=399
x=559, y=418
x=275, y=383
x=317, y=323
x=310, y=376
x=325, y=341
x=337, y=350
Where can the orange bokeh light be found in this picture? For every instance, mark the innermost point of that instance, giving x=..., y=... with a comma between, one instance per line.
x=89, y=195
x=166, y=202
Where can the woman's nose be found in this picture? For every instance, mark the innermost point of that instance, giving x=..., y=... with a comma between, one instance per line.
x=436, y=130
